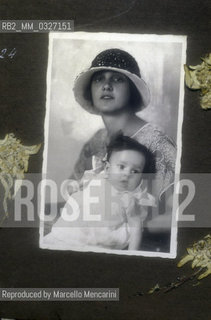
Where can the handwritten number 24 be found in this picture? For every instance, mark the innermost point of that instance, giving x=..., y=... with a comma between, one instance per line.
x=4, y=53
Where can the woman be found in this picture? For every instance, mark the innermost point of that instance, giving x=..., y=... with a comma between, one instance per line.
x=113, y=88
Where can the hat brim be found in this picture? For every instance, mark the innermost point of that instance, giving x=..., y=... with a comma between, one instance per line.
x=82, y=83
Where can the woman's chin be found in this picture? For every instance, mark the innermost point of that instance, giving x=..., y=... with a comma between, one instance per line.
x=108, y=110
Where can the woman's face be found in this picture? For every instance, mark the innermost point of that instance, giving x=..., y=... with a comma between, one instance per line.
x=110, y=91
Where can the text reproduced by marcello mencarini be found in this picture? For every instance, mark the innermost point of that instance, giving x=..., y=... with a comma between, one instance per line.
x=55, y=294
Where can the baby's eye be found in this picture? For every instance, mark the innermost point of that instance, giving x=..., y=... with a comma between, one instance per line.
x=135, y=171
x=121, y=166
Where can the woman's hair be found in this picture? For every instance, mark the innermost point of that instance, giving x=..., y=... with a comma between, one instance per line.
x=120, y=142
x=135, y=99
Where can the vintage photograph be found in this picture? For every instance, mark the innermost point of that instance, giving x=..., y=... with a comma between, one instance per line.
x=113, y=143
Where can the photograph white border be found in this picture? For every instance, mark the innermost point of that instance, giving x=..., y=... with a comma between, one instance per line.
x=117, y=37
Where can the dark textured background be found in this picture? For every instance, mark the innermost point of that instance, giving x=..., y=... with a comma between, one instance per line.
x=23, y=89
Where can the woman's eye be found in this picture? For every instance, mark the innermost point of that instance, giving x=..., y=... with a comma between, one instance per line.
x=118, y=79
x=98, y=79
x=121, y=166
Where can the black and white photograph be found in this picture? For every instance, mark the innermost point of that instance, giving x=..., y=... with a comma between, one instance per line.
x=113, y=143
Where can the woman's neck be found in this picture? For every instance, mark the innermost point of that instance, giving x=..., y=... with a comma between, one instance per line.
x=126, y=122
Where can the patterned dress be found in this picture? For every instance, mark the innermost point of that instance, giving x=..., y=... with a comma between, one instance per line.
x=151, y=136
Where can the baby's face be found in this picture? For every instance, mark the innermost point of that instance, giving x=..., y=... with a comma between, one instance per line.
x=124, y=170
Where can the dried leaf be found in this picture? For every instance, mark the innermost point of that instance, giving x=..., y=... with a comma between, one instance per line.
x=14, y=159
x=199, y=77
x=191, y=78
x=206, y=273
x=206, y=101
x=155, y=288
x=185, y=260
x=200, y=255
x=207, y=59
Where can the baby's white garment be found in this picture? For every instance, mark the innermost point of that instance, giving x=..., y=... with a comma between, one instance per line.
x=113, y=231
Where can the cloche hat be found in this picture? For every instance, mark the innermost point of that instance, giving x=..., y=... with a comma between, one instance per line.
x=113, y=60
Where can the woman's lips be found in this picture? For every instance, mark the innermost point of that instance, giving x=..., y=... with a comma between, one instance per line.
x=106, y=97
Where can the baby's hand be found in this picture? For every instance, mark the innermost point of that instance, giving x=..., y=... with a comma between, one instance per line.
x=133, y=208
x=70, y=187
x=133, y=213
x=135, y=219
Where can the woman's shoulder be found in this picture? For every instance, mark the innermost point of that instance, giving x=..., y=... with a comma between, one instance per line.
x=152, y=133
x=98, y=137
x=100, y=134
x=153, y=128
x=97, y=142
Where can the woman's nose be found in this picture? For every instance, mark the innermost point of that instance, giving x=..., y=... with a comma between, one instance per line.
x=107, y=86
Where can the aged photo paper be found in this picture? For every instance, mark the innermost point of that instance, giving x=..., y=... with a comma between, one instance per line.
x=108, y=96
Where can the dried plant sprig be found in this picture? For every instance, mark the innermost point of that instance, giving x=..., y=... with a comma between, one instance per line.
x=200, y=255
x=14, y=159
x=154, y=289
x=199, y=78
x=157, y=289
x=181, y=281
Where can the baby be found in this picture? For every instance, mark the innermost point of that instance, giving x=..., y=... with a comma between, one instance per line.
x=123, y=196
